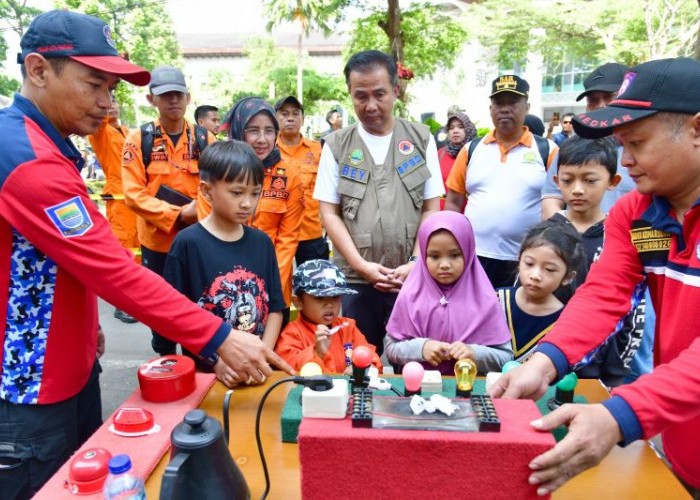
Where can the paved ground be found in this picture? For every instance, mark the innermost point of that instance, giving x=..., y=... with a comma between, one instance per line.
x=128, y=346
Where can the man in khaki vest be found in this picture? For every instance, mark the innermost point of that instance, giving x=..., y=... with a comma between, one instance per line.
x=377, y=180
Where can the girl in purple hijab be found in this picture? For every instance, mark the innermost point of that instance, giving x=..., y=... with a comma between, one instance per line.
x=447, y=309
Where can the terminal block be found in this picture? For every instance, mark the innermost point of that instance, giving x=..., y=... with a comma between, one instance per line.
x=361, y=407
x=486, y=413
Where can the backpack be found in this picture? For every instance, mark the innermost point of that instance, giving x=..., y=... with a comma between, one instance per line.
x=542, y=146
x=149, y=132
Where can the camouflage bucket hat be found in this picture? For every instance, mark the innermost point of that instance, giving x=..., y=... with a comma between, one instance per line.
x=320, y=278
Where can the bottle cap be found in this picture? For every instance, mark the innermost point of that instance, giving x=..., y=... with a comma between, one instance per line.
x=119, y=464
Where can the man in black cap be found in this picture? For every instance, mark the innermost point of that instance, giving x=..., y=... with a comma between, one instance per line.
x=302, y=154
x=601, y=87
x=506, y=171
x=58, y=254
x=653, y=235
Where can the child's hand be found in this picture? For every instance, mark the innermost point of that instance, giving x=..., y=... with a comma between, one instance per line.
x=348, y=371
x=435, y=352
x=323, y=340
x=460, y=350
x=225, y=374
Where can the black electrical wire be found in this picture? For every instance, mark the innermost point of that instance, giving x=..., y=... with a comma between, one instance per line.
x=257, y=432
x=396, y=391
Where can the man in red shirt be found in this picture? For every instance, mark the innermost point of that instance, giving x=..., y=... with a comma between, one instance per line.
x=652, y=236
x=57, y=253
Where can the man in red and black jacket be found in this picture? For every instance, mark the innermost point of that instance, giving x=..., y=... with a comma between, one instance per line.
x=57, y=253
x=652, y=235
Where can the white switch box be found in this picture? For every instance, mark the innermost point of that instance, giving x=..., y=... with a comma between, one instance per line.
x=332, y=403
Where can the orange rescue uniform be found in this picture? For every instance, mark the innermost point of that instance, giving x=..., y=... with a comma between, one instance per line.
x=297, y=345
x=304, y=158
x=107, y=142
x=174, y=165
x=278, y=214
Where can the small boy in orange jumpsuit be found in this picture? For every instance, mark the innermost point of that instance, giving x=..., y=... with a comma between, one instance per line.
x=319, y=334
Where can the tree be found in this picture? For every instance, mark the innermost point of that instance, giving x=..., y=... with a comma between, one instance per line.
x=16, y=16
x=626, y=31
x=308, y=15
x=423, y=38
x=143, y=30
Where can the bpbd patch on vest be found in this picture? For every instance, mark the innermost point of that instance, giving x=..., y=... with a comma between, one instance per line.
x=410, y=164
x=278, y=183
x=354, y=173
x=406, y=147
x=70, y=217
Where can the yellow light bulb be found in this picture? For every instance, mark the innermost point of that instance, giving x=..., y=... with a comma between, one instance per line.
x=465, y=373
x=310, y=369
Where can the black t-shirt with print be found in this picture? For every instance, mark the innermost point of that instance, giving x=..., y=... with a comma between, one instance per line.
x=239, y=281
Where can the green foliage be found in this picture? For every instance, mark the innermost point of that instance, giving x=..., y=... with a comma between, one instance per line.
x=310, y=14
x=274, y=68
x=626, y=31
x=318, y=90
x=432, y=38
x=17, y=16
x=433, y=124
x=141, y=28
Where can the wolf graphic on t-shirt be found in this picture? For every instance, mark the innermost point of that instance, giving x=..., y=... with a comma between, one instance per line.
x=239, y=298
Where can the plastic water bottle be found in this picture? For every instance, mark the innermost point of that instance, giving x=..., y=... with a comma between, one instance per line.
x=120, y=483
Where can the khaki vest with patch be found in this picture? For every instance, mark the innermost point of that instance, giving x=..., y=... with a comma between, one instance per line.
x=381, y=204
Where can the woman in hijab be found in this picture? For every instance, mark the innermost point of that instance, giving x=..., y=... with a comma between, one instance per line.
x=460, y=130
x=280, y=208
x=447, y=309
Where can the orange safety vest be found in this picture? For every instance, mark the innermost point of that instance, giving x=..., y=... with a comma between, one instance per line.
x=174, y=165
x=304, y=158
x=108, y=142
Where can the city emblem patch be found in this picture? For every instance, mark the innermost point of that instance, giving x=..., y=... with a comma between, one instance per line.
x=70, y=217
x=356, y=157
x=406, y=147
x=530, y=157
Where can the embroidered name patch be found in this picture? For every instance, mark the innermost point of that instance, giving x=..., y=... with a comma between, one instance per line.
x=650, y=240
x=409, y=165
x=70, y=217
x=354, y=173
x=274, y=193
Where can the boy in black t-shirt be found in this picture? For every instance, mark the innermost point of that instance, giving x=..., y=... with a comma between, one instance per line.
x=587, y=168
x=221, y=263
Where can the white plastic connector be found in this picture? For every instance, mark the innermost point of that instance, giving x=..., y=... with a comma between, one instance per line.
x=332, y=403
x=432, y=381
x=492, y=378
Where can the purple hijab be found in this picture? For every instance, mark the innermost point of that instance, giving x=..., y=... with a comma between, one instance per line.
x=466, y=311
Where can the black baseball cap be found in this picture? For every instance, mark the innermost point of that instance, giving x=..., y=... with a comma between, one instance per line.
x=509, y=83
x=663, y=85
x=605, y=78
x=289, y=99
x=85, y=39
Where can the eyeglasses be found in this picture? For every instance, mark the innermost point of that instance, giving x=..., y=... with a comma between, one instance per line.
x=268, y=132
x=566, y=122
